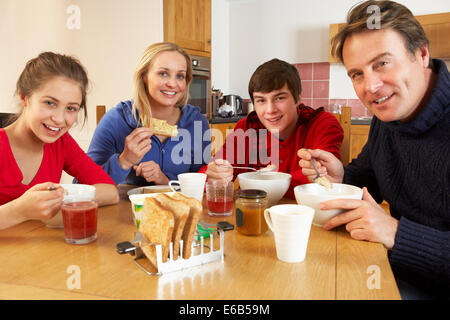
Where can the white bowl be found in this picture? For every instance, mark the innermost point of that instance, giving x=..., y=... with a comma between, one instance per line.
x=275, y=184
x=313, y=194
x=75, y=192
x=79, y=192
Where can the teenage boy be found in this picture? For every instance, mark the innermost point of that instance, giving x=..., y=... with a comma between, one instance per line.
x=278, y=127
x=406, y=159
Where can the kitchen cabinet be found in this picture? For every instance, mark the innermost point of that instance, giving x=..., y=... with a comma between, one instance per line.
x=437, y=29
x=358, y=138
x=334, y=30
x=188, y=24
x=219, y=134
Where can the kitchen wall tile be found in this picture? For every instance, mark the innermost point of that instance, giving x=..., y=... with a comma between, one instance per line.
x=315, y=79
x=305, y=71
x=307, y=87
x=317, y=103
x=306, y=102
x=358, y=109
x=342, y=102
x=321, y=89
x=321, y=71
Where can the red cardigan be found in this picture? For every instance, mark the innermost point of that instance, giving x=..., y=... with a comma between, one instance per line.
x=64, y=154
x=316, y=129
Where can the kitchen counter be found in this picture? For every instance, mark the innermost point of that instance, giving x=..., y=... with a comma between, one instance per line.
x=38, y=264
x=361, y=120
x=226, y=120
x=356, y=121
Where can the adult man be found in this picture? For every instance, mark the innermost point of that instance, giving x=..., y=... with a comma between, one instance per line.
x=279, y=126
x=406, y=159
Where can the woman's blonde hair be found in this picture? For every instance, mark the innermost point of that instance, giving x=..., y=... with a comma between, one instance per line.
x=141, y=101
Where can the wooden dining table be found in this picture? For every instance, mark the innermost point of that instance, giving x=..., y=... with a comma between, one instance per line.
x=36, y=263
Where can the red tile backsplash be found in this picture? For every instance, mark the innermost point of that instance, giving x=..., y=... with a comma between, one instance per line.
x=315, y=79
x=306, y=102
x=317, y=103
x=305, y=71
x=321, y=71
x=358, y=109
x=321, y=89
x=307, y=89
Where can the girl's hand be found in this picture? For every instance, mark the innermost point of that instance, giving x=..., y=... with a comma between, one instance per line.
x=151, y=172
x=137, y=144
x=42, y=201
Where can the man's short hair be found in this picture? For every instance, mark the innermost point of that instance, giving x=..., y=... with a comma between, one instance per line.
x=273, y=75
x=392, y=15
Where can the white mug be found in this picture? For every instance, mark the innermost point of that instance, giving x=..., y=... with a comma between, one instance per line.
x=290, y=224
x=191, y=184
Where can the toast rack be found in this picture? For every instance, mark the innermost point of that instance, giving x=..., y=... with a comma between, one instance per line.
x=197, y=258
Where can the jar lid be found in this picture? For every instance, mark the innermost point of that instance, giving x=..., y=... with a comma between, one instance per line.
x=252, y=194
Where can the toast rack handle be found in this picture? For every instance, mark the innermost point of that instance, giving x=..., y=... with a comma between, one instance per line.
x=126, y=247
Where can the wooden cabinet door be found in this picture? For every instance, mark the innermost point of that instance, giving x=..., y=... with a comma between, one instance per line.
x=188, y=23
x=334, y=30
x=219, y=134
x=358, y=138
x=437, y=29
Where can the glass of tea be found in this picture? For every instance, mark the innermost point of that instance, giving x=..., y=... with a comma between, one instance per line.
x=80, y=221
x=219, y=196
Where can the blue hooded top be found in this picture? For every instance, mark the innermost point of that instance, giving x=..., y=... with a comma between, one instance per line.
x=187, y=152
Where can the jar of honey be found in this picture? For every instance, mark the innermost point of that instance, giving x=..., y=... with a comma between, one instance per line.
x=250, y=207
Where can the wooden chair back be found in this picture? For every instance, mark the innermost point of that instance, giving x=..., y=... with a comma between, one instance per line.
x=345, y=120
x=100, y=112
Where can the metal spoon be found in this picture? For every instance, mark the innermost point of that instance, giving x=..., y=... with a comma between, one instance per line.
x=318, y=179
x=269, y=168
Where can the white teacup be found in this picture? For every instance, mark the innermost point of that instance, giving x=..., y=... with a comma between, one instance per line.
x=290, y=224
x=191, y=184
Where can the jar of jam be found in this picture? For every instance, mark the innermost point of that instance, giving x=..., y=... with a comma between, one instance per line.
x=250, y=207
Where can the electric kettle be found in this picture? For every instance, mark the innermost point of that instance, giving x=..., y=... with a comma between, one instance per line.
x=235, y=102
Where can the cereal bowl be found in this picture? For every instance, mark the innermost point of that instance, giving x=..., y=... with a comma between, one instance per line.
x=276, y=184
x=313, y=194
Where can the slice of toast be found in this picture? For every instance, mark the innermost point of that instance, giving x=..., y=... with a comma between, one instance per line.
x=191, y=223
x=162, y=128
x=180, y=210
x=156, y=190
x=156, y=226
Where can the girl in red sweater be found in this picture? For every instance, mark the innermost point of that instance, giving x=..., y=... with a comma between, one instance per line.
x=36, y=147
x=279, y=126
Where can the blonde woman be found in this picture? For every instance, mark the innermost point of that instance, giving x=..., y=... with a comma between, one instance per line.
x=124, y=144
x=37, y=147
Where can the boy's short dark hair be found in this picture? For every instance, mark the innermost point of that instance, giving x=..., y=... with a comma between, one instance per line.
x=273, y=75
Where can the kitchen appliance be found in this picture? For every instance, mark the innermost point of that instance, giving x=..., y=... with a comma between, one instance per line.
x=200, y=88
x=232, y=104
x=216, y=97
x=250, y=107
